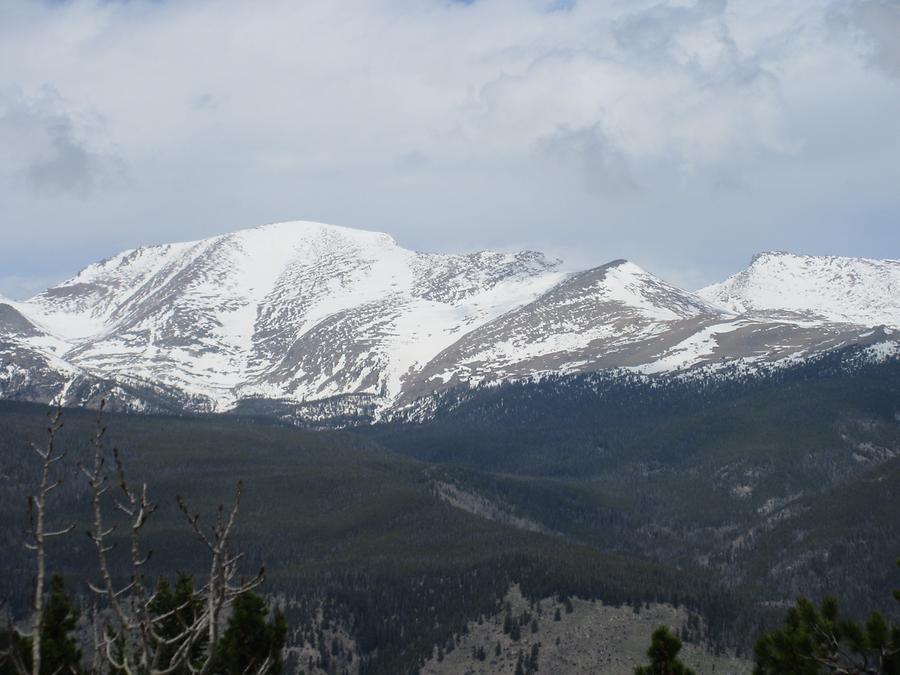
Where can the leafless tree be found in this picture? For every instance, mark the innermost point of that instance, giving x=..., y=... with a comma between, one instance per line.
x=220, y=589
x=132, y=642
x=128, y=635
x=37, y=537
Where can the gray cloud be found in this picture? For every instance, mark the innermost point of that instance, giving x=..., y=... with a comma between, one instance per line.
x=684, y=135
x=603, y=165
x=47, y=149
x=880, y=22
x=653, y=31
x=204, y=101
x=411, y=161
x=69, y=168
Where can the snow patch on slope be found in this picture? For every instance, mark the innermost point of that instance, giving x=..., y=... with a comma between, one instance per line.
x=693, y=350
x=635, y=288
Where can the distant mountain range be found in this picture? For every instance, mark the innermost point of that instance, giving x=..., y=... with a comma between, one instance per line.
x=332, y=322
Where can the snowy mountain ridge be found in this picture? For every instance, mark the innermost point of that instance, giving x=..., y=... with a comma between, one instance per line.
x=306, y=313
x=864, y=291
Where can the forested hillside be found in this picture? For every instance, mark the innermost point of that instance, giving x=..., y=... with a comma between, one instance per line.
x=784, y=481
x=363, y=555
x=725, y=496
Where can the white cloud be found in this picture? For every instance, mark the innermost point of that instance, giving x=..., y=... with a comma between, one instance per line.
x=495, y=123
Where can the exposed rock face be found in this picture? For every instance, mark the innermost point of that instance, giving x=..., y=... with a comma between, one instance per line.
x=302, y=313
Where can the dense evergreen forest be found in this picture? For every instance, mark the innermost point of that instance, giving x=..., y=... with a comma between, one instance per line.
x=727, y=496
x=350, y=534
x=783, y=481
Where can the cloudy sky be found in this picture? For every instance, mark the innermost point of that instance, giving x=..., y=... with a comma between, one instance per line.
x=683, y=135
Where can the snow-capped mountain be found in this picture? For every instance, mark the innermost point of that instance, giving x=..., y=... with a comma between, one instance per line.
x=302, y=311
x=330, y=320
x=831, y=288
x=590, y=320
x=620, y=316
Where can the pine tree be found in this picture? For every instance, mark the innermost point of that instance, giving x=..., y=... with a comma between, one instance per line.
x=533, y=659
x=250, y=640
x=59, y=650
x=12, y=647
x=176, y=608
x=664, y=648
x=520, y=667
x=815, y=640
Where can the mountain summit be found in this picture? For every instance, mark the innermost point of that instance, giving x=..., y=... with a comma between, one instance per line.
x=852, y=290
x=334, y=319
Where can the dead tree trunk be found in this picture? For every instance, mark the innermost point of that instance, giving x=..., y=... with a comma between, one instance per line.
x=38, y=534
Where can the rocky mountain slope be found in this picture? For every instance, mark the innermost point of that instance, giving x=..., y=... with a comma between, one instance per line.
x=592, y=638
x=305, y=313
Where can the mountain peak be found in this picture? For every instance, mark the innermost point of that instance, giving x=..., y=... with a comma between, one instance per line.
x=764, y=255
x=309, y=229
x=773, y=256
x=863, y=291
x=301, y=311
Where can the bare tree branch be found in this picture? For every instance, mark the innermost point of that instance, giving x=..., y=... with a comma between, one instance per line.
x=38, y=534
x=135, y=645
